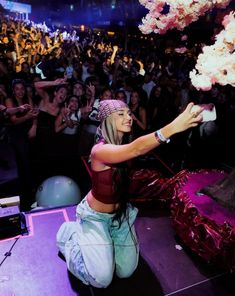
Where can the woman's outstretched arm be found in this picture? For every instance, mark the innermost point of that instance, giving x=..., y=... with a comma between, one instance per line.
x=110, y=153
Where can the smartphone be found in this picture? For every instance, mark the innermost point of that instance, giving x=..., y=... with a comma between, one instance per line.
x=208, y=113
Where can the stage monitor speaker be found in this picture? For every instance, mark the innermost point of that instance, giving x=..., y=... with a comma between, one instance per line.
x=12, y=221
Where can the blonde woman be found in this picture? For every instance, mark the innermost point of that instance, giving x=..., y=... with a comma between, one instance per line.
x=103, y=239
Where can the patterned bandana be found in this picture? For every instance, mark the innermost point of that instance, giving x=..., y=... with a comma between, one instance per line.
x=107, y=107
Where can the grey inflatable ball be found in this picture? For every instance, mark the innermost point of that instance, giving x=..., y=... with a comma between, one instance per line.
x=58, y=191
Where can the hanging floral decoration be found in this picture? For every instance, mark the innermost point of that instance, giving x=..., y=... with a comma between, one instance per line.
x=216, y=63
x=170, y=14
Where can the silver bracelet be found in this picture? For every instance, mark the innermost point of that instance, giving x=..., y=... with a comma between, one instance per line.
x=159, y=136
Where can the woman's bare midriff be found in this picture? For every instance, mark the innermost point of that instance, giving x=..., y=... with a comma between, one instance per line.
x=100, y=206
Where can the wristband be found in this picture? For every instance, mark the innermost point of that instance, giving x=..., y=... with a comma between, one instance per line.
x=159, y=136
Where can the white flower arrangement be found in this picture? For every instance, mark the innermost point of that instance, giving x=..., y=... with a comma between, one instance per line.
x=181, y=13
x=216, y=63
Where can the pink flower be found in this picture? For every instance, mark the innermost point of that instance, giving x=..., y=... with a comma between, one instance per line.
x=181, y=13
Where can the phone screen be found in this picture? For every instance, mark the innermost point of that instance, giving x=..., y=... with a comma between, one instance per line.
x=208, y=113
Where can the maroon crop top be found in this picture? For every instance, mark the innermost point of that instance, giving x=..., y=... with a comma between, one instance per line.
x=102, y=187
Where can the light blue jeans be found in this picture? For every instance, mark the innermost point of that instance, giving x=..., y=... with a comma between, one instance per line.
x=94, y=246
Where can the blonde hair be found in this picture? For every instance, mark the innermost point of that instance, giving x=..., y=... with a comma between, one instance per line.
x=109, y=130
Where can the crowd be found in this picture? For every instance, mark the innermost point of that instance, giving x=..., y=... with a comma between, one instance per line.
x=52, y=82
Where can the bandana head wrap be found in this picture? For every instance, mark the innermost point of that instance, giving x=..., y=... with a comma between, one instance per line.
x=107, y=107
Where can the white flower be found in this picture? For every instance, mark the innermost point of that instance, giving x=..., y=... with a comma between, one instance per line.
x=200, y=81
x=216, y=63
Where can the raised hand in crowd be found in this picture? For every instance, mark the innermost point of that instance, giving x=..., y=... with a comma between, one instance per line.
x=86, y=110
x=66, y=116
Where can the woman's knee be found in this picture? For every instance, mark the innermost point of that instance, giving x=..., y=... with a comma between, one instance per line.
x=99, y=277
x=125, y=271
x=126, y=261
x=102, y=278
x=97, y=274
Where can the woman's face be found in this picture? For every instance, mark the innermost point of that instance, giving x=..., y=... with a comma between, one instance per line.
x=134, y=98
x=60, y=95
x=73, y=104
x=123, y=120
x=19, y=91
x=121, y=97
x=107, y=95
x=78, y=90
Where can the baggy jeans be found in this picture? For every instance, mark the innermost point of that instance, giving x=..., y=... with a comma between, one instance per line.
x=94, y=245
